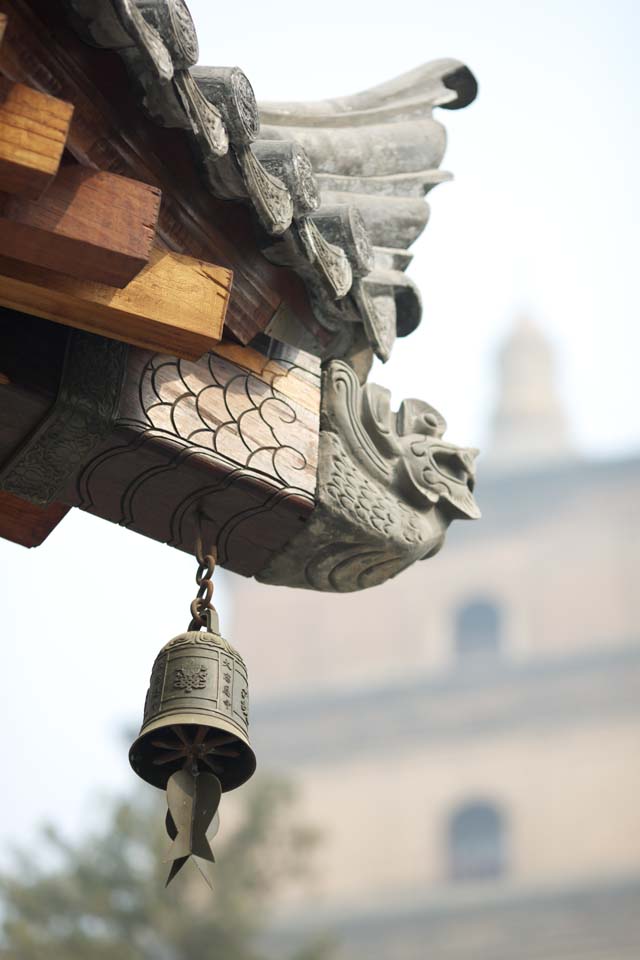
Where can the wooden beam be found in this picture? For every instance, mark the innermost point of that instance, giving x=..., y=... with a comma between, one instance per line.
x=25, y=523
x=33, y=132
x=3, y=25
x=176, y=304
x=216, y=439
x=89, y=224
x=274, y=373
x=111, y=130
x=233, y=435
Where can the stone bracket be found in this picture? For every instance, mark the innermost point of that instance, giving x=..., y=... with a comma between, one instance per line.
x=82, y=415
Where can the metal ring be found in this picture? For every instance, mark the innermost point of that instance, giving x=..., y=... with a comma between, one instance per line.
x=205, y=569
x=196, y=615
x=205, y=592
x=199, y=551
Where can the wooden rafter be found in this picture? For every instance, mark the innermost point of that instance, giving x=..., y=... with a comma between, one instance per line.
x=177, y=304
x=26, y=523
x=33, y=133
x=89, y=224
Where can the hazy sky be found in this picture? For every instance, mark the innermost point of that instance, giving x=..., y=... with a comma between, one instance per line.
x=542, y=214
x=541, y=217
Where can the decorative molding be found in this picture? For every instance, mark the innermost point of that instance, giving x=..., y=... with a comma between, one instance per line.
x=388, y=488
x=231, y=438
x=287, y=160
x=379, y=318
x=271, y=199
x=204, y=117
x=81, y=416
x=172, y=20
x=343, y=226
x=148, y=54
x=377, y=152
x=216, y=405
x=329, y=258
x=230, y=90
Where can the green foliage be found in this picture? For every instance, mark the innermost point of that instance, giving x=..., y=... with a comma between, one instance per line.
x=103, y=897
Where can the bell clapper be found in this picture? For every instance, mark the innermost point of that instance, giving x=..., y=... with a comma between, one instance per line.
x=194, y=737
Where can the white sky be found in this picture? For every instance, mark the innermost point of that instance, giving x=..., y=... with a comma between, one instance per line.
x=541, y=217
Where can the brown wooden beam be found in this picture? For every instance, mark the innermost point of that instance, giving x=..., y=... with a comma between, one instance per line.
x=33, y=132
x=89, y=224
x=25, y=523
x=110, y=130
x=176, y=305
x=3, y=25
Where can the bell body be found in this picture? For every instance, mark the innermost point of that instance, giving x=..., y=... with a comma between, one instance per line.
x=198, y=681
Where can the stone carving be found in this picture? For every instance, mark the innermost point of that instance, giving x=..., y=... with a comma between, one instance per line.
x=270, y=197
x=81, y=416
x=172, y=20
x=343, y=226
x=287, y=160
x=229, y=89
x=388, y=488
x=330, y=258
x=205, y=119
x=379, y=318
x=149, y=58
x=378, y=151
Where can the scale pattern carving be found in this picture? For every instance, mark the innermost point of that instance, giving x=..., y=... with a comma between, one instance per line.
x=234, y=444
x=230, y=411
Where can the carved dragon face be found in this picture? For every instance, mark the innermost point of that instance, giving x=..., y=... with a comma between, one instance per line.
x=426, y=469
x=433, y=470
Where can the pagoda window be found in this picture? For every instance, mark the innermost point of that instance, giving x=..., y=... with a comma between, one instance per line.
x=477, y=842
x=478, y=631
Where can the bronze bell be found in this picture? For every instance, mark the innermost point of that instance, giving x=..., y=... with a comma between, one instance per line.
x=196, y=710
x=194, y=740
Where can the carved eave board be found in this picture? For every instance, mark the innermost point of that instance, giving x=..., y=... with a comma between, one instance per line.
x=192, y=291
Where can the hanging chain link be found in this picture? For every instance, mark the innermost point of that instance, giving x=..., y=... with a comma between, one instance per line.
x=201, y=603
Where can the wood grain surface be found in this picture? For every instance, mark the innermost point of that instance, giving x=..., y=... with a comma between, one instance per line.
x=88, y=224
x=110, y=131
x=33, y=132
x=25, y=523
x=176, y=304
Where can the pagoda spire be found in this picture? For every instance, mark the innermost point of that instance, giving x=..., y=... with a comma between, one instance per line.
x=529, y=426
